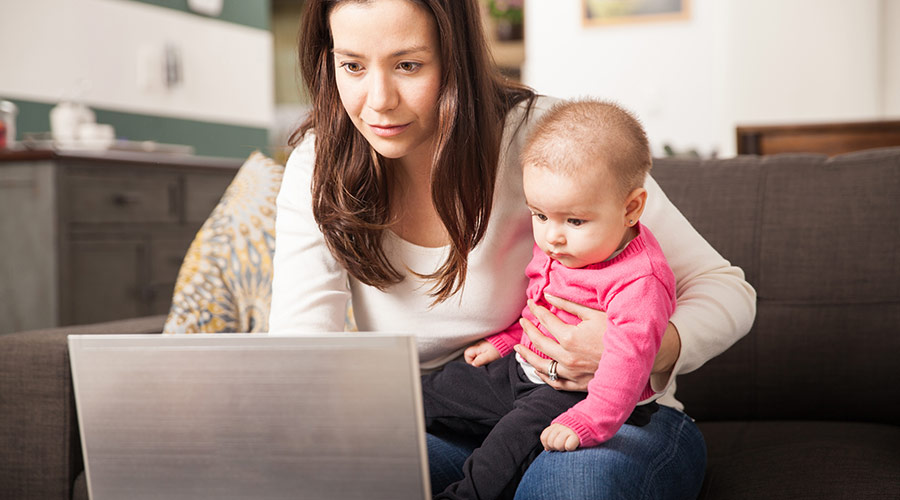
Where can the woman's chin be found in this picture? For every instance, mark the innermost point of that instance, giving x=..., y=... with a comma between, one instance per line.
x=391, y=153
x=392, y=149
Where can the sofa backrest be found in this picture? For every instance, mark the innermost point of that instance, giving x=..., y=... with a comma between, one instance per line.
x=819, y=239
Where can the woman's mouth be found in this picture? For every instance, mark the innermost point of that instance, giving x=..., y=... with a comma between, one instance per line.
x=388, y=130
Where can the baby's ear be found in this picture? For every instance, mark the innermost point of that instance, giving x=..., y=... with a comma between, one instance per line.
x=634, y=206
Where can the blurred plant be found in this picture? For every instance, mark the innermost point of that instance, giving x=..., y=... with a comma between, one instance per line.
x=507, y=10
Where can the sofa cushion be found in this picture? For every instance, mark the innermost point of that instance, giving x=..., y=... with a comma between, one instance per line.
x=821, y=346
x=224, y=284
x=844, y=212
x=789, y=460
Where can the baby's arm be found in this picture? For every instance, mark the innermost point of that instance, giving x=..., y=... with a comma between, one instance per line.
x=494, y=347
x=637, y=316
x=505, y=340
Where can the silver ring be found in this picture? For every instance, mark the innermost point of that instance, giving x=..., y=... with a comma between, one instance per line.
x=551, y=372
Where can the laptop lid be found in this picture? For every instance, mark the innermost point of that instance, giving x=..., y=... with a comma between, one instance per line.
x=237, y=416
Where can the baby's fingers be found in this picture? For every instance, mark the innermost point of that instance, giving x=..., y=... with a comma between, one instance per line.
x=545, y=438
x=470, y=354
x=482, y=359
x=572, y=441
x=550, y=439
x=558, y=437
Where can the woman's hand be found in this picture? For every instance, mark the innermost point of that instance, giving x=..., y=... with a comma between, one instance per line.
x=580, y=346
x=578, y=351
x=481, y=353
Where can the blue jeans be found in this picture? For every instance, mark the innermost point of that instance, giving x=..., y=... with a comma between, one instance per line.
x=665, y=459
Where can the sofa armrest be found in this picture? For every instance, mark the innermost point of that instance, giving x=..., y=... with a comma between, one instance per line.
x=41, y=449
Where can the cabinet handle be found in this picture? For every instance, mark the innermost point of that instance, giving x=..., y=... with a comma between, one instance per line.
x=147, y=293
x=126, y=199
x=174, y=191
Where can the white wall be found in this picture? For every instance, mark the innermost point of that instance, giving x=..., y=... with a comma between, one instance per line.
x=733, y=62
x=49, y=47
x=890, y=29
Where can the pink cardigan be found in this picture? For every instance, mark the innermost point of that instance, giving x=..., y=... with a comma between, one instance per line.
x=637, y=290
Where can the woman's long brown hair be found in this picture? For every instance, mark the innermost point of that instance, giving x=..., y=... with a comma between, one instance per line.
x=351, y=182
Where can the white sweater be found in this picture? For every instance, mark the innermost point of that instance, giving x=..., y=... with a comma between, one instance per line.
x=310, y=290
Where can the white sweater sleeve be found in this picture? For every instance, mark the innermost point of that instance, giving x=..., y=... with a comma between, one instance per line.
x=309, y=288
x=716, y=306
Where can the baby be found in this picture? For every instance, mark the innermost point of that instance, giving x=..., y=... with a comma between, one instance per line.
x=583, y=173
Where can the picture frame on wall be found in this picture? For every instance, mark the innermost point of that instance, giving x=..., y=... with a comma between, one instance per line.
x=611, y=12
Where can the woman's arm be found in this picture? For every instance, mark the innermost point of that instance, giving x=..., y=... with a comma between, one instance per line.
x=716, y=307
x=309, y=288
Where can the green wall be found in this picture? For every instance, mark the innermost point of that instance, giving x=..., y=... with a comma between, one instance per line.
x=254, y=13
x=208, y=138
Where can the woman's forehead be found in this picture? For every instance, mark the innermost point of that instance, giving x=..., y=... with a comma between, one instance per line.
x=383, y=27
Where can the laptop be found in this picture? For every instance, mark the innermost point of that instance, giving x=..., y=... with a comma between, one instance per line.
x=240, y=416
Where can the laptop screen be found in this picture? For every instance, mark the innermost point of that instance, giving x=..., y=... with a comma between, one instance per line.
x=250, y=416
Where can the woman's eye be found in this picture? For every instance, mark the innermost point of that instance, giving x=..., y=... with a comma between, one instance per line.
x=576, y=222
x=351, y=67
x=409, y=67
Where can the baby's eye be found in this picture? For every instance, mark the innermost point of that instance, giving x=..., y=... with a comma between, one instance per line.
x=576, y=222
x=409, y=67
x=540, y=217
x=351, y=67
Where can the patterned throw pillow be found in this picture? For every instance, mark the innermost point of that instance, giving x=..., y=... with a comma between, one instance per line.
x=225, y=282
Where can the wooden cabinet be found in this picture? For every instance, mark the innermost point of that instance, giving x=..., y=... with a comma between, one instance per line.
x=827, y=138
x=95, y=237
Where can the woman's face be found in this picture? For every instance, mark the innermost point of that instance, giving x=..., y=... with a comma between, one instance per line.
x=388, y=72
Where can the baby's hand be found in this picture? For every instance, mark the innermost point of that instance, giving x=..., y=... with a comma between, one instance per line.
x=481, y=353
x=558, y=437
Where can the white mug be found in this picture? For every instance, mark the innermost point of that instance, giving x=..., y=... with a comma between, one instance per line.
x=65, y=120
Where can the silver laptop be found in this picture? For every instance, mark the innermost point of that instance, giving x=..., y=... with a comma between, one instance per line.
x=236, y=416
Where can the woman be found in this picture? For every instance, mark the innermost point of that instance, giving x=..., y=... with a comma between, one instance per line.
x=404, y=193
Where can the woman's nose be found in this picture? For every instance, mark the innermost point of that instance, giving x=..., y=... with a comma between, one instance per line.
x=382, y=94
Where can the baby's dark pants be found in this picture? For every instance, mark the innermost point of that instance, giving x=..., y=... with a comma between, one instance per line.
x=497, y=403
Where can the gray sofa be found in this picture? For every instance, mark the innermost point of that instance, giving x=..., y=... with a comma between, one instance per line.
x=804, y=407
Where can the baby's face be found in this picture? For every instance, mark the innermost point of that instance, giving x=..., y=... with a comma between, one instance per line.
x=577, y=220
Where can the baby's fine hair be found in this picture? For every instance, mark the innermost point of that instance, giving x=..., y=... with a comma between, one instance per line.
x=587, y=133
